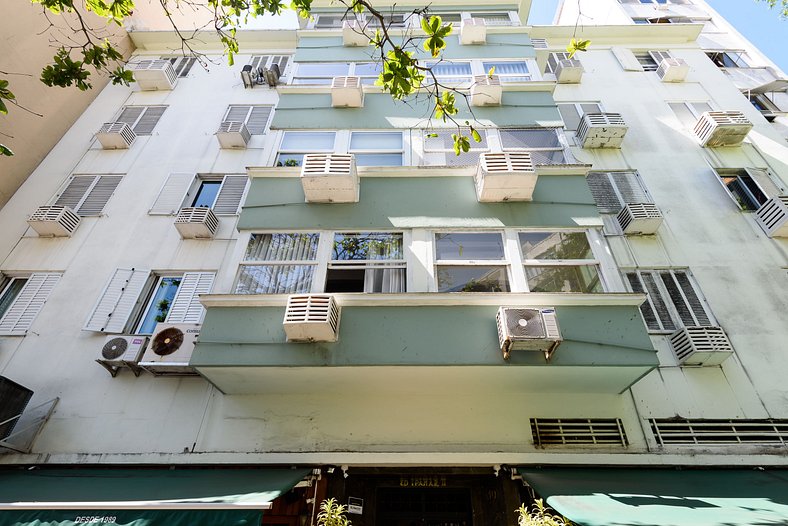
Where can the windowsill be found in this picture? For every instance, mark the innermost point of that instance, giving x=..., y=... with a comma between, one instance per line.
x=416, y=171
x=306, y=89
x=426, y=299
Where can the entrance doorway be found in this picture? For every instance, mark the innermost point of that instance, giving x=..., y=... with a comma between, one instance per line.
x=424, y=507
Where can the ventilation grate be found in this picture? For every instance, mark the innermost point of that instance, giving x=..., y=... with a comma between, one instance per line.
x=669, y=431
x=578, y=431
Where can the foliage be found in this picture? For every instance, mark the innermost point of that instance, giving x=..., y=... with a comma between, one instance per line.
x=576, y=45
x=539, y=515
x=332, y=514
x=782, y=5
x=6, y=94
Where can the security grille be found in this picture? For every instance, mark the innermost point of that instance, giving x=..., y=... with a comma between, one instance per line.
x=578, y=431
x=681, y=431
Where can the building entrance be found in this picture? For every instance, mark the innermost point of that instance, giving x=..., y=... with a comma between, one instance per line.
x=424, y=507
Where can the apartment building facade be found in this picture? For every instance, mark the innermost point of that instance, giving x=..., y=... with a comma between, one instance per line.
x=294, y=289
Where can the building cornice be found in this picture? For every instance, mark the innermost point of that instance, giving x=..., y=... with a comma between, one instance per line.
x=559, y=36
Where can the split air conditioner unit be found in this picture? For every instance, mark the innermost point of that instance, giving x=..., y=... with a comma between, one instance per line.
x=601, y=130
x=508, y=176
x=271, y=75
x=722, y=128
x=640, y=218
x=347, y=92
x=473, y=31
x=54, y=221
x=330, y=178
x=250, y=76
x=233, y=135
x=772, y=216
x=122, y=351
x=115, y=135
x=528, y=329
x=311, y=318
x=701, y=345
x=153, y=75
x=170, y=349
x=486, y=90
x=196, y=223
x=672, y=70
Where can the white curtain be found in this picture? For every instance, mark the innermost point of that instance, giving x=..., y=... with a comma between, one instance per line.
x=384, y=280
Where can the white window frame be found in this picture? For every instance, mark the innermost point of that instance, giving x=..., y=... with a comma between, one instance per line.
x=505, y=262
x=737, y=56
x=342, y=143
x=563, y=146
x=655, y=2
x=689, y=105
x=595, y=262
x=256, y=62
x=42, y=284
x=339, y=264
x=578, y=107
x=448, y=151
x=249, y=114
x=181, y=64
x=748, y=172
x=317, y=274
x=514, y=20
x=86, y=194
x=199, y=179
x=145, y=300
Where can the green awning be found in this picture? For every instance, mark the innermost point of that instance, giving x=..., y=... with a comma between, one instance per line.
x=664, y=497
x=141, y=497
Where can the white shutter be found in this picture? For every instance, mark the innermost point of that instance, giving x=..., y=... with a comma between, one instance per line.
x=75, y=191
x=172, y=194
x=626, y=58
x=99, y=194
x=659, y=56
x=149, y=118
x=117, y=302
x=186, y=306
x=257, y=121
x=130, y=114
x=230, y=195
x=281, y=61
x=237, y=113
x=26, y=306
x=259, y=61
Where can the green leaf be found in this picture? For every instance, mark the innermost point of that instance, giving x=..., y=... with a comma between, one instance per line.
x=3, y=108
x=5, y=150
x=475, y=135
x=491, y=71
x=577, y=45
x=435, y=24
x=425, y=26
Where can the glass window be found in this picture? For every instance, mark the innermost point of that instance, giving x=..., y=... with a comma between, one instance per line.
x=206, y=194
x=320, y=72
x=463, y=262
x=377, y=148
x=543, y=144
x=366, y=262
x=368, y=71
x=509, y=71
x=9, y=293
x=572, y=112
x=159, y=304
x=297, y=143
x=647, y=61
x=743, y=189
x=688, y=112
x=559, y=262
x=727, y=59
x=495, y=18
x=450, y=72
x=278, y=264
x=439, y=148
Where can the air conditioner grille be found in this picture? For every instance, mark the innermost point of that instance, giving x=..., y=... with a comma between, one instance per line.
x=114, y=348
x=507, y=162
x=327, y=164
x=525, y=323
x=680, y=431
x=772, y=216
x=700, y=345
x=578, y=431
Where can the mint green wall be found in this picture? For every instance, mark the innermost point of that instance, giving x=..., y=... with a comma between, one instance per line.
x=386, y=202
x=314, y=111
x=435, y=335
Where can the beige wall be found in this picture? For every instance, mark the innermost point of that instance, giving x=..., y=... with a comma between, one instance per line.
x=25, y=49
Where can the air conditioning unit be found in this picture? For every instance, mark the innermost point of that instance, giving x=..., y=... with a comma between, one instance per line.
x=672, y=70
x=232, y=134
x=330, y=178
x=271, y=75
x=115, y=135
x=13, y=401
x=250, y=76
x=54, y=221
x=640, y=218
x=701, y=345
x=508, y=176
x=154, y=75
x=196, y=223
x=353, y=33
x=170, y=349
x=722, y=128
x=311, y=318
x=473, y=31
x=346, y=92
x=486, y=90
x=122, y=350
x=601, y=130
x=528, y=329
x=568, y=71
x=772, y=216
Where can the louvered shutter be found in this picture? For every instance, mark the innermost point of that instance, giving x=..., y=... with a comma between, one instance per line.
x=117, y=302
x=130, y=114
x=630, y=188
x=186, y=306
x=172, y=194
x=684, y=298
x=281, y=61
x=28, y=303
x=259, y=61
x=99, y=194
x=659, y=56
x=257, y=121
x=627, y=59
x=607, y=201
x=148, y=121
x=75, y=191
x=237, y=113
x=230, y=195
x=183, y=65
x=661, y=318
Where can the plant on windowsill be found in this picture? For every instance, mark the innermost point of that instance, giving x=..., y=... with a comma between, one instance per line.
x=539, y=515
x=332, y=514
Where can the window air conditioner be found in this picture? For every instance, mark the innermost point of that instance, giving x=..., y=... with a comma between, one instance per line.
x=311, y=318
x=528, y=329
x=601, y=130
x=772, y=216
x=170, y=349
x=640, y=218
x=196, y=223
x=473, y=31
x=347, y=92
x=232, y=134
x=54, y=221
x=672, y=70
x=568, y=71
x=722, y=128
x=122, y=351
x=508, y=176
x=330, y=178
x=486, y=90
x=353, y=33
x=115, y=135
x=154, y=75
x=700, y=345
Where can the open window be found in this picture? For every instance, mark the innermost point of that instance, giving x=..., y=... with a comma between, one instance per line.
x=371, y=262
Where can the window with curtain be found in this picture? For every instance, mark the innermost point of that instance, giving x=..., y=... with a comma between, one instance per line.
x=278, y=264
x=371, y=262
x=559, y=262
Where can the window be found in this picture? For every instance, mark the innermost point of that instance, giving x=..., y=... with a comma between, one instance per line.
x=572, y=112
x=663, y=20
x=334, y=21
x=660, y=2
x=765, y=105
x=295, y=144
x=255, y=117
x=329, y=21
x=509, y=71
x=320, y=72
x=278, y=264
x=727, y=59
x=221, y=193
x=491, y=18
x=613, y=190
x=366, y=262
x=742, y=187
x=142, y=119
x=371, y=148
x=21, y=299
x=182, y=65
x=134, y=301
x=377, y=148
x=646, y=61
x=88, y=194
x=673, y=300
x=450, y=73
x=268, y=61
x=544, y=144
x=439, y=148
x=559, y=262
x=689, y=112
x=553, y=59
x=471, y=262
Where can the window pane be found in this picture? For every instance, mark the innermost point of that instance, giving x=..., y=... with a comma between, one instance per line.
x=555, y=245
x=368, y=69
x=323, y=69
x=375, y=141
x=378, y=159
x=308, y=141
x=160, y=304
x=274, y=279
x=367, y=246
x=472, y=279
x=206, y=195
x=282, y=247
x=10, y=294
x=481, y=245
x=290, y=159
x=510, y=71
x=569, y=115
x=548, y=157
x=683, y=113
x=529, y=139
x=581, y=278
x=744, y=191
x=441, y=140
x=369, y=280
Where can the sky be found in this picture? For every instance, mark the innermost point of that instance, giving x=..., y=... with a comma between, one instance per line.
x=759, y=24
